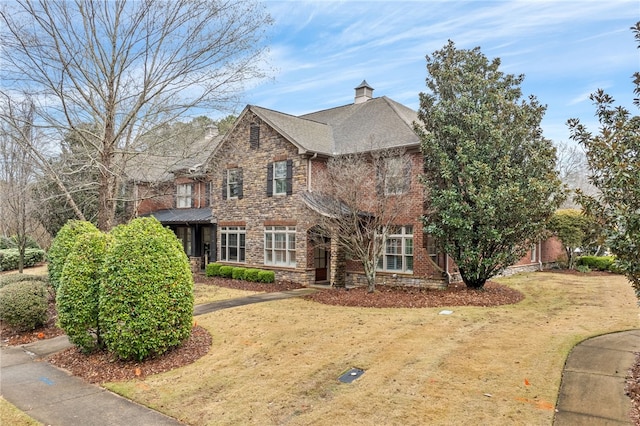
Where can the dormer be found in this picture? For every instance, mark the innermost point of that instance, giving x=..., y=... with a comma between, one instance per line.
x=364, y=92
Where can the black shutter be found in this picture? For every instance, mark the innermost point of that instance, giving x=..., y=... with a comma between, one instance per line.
x=175, y=196
x=270, y=180
x=289, y=177
x=193, y=195
x=224, y=185
x=239, y=179
x=207, y=195
x=254, y=136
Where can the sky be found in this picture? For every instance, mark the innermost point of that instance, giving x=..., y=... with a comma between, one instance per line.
x=319, y=51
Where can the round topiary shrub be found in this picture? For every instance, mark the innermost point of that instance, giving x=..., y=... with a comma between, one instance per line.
x=79, y=291
x=23, y=305
x=146, y=303
x=62, y=245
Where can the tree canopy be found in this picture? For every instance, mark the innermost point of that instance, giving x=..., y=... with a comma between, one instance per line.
x=489, y=173
x=614, y=160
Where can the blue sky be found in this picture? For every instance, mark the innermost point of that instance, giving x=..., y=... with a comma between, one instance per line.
x=320, y=50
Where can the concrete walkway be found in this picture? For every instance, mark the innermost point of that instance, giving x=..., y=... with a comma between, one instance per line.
x=591, y=392
x=593, y=381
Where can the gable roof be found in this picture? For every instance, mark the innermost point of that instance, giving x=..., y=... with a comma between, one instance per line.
x=378, y=123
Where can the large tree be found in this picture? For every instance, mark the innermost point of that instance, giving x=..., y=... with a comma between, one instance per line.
x=125, y=68
x=614, y=160
x=489, y=173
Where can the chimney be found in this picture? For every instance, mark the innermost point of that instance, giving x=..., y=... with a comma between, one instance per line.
x=364, y=92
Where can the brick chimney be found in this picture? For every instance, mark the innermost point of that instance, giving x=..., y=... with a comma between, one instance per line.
x=364, y=92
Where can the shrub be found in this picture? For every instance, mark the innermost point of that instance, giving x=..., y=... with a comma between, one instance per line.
x=10, y=258
x=17, y=278
x=7, y=243
x=266, y=276
x=583, y=268
x=212, y=270
x=23, y=305
x=146, y=303
x=600, y=263
x=62, y=245
x=226, y=271
x=251, y=274
x=238, y=273
x=78, y=294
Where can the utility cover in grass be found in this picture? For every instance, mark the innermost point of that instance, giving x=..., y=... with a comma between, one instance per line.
x=351, y=375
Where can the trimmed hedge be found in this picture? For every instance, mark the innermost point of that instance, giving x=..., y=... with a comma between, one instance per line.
x=79, y=291
x=212, y=270
x=226, y=271
x=7, y=279
x=62, y=245
x=599, y=263
x=266, y=276
x=238, y=273
x=146, y=303
x=10, y=258
x=23, y=305
x=251, y=274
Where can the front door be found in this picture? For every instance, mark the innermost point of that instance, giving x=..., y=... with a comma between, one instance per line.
x=321, y=263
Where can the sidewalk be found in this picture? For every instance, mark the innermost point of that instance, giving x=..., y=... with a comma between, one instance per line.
x=54, y=397
x=593, y=381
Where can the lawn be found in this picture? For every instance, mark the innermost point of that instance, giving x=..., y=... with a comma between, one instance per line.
x=278, y=362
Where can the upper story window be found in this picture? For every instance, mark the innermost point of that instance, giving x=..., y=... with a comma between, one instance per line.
x=398, y=250
x=395, y=176
x=280, y=178
x=232, y=183
x=183, y=195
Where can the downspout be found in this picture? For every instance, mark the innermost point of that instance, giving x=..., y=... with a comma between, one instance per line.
x=309, y=171
x=540, y=255
x=446, y=268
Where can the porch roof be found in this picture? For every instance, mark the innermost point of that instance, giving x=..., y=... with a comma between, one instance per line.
x=183, y=216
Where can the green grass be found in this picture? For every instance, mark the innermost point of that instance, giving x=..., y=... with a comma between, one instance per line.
x=10, y=415
x=278, y=362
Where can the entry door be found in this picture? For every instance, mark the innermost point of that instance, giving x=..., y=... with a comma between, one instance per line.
x=321, y=264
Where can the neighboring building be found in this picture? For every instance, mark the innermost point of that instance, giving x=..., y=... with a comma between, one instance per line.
x=249, y=205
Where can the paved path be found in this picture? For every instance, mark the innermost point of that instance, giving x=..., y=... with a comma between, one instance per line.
x=593, y=381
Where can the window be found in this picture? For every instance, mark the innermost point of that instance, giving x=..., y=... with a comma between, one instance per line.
x=232, y=183
x=183, y=196
x=184, y=234
x=232, y=243
x=396, y=176
x=280, y=178
x=432, y=248
x=398, y=250
x=280, y=245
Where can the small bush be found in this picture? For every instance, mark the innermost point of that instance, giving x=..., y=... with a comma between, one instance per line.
x=251, y=275
x=583, y=268
x=238, y=273
x=10, y=258
x=226, y=271
x=17, y=278
x=599, y=263
x=146, y=302
x=212, y=270
x=62, y=245
x=79, y=291
x=23, y=305
x=266, y=276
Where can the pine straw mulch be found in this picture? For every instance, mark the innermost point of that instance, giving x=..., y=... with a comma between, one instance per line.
x=101, y=367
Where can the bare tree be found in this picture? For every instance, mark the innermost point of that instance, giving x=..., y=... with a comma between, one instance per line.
x=359, y=200
x=573, y=171
x=112, y=71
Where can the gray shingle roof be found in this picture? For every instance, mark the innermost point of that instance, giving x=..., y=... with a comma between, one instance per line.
x=375, y=124
x=183, y=216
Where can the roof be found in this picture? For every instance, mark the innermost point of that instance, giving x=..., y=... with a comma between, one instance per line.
x=183, y=216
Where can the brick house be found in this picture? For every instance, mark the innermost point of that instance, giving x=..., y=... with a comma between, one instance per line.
x=256, y=185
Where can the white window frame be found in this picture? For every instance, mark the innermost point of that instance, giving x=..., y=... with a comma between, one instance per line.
x=280, y=177
x=397, y=254
x=280, y=246
x=226, y=248
x=233, y=183
x=183, y=196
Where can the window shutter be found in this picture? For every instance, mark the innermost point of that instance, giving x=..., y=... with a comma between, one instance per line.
x=193, y=195
x=240, y=190
x=224, y=185
x=270, y=180
x=175, y=196
x=207, y=195
x=289, y=177
x=254, y=136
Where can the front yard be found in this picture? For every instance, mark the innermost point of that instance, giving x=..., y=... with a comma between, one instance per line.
x=278, y=362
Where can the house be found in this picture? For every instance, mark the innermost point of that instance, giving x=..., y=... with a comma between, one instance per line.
x=250, y=204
